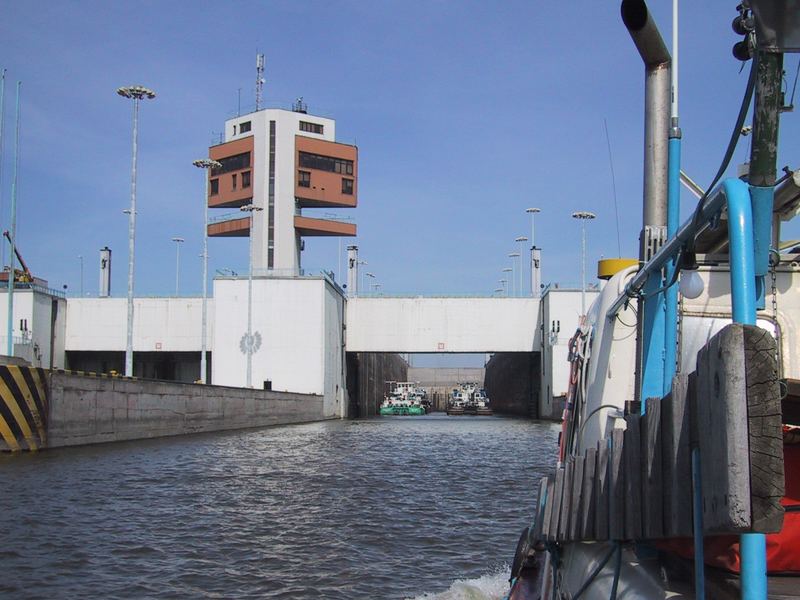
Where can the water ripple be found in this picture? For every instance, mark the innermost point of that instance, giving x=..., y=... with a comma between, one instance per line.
x=426, y=508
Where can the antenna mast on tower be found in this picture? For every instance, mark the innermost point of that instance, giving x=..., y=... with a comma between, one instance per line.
x=259, y=79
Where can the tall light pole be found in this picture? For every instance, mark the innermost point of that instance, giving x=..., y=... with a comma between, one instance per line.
x=80, y=258
x=205, y=164
x=535, y=278
x=513, y=256
x=504, y=281
x=250, y=208
x=583, y=216
x=135, y=93
x=371, y=276
x=520, y=241
x=178, y=241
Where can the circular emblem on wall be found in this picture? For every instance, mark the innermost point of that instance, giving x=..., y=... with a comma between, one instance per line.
x=250, y=344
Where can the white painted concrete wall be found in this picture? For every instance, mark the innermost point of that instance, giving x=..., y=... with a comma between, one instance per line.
x=442, y=324
x=34, y=307
x=159, y=324
x=561, y=309
x=299, y=321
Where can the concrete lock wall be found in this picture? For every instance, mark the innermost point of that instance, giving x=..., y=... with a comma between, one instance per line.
x=512, y=383
x=93, y=410
x=367, y=374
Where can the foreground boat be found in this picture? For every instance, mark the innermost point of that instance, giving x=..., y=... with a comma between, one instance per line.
x=679, y=478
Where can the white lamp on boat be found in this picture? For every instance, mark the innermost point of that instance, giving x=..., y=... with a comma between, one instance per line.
x=691, y=285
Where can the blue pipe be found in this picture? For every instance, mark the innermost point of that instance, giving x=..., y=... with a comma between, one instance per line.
x=741, y=233
x=671, y=300
x=653, y=320
x=742, y=257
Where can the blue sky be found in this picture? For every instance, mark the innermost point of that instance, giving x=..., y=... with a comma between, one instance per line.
x=465, y=113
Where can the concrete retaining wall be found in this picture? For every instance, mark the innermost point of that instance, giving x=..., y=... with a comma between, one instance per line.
x=512, y=383
x=93, y=410
x=367, y=374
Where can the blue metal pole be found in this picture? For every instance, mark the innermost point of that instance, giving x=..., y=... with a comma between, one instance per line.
x=741, y=233
x=653, y=339
x=671, y=300
x=10, y=316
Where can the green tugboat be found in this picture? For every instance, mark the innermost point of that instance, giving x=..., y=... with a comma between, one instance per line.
x=403, y=400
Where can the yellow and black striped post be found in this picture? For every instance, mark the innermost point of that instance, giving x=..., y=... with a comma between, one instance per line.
x=24, y=405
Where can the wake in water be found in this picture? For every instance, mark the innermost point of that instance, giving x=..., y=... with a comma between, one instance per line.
x=493, y=586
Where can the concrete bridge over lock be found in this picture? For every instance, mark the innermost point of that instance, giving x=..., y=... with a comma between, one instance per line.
x=439, y=324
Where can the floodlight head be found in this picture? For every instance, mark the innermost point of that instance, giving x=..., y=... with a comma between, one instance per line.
x=250, y=208
x=507, y=270
x=178, y=239
x=206, y=163
x=533, y=210
x=513, y=254
x=582, y=214
x=136, y=92
x=521, y=238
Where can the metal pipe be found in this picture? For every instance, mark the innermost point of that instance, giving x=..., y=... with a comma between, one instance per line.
x=743, y=293
x=2, y=147
x=10, y=320
x=689, y=229
x=136, y=93
x=673, y=218
x=656, y=57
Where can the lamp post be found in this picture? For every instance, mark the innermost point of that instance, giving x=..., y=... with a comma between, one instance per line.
x=80, y=258
x=135, y=93
x=250, y=208
x=513, y=256
x=510, y=272
x=535, y=288
x=178, y=241
x=205, y=164
x=583, y=216
x=520, y=240
x=503, y=283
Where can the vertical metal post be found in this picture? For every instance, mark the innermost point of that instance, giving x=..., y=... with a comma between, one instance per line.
x=535, y=289
x=2, y=147
x=250, y=308
x=205, y=164
x=743, y=293
x=178, y=241
x=80, y=257
x=131, y=244
x=10, y=321
x=673, y=217
x=136, y=93
x=583, y=268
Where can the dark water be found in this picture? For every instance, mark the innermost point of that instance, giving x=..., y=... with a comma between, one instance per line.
x=382, y=508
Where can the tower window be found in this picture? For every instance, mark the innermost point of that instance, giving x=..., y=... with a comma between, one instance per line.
x=311, y=127
x=303, y=179
x=347, y=186
x=244, y=127
x=233, y=179
x=326, y=163
x=236, y=162
x=214, y=187
x=246, y=179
